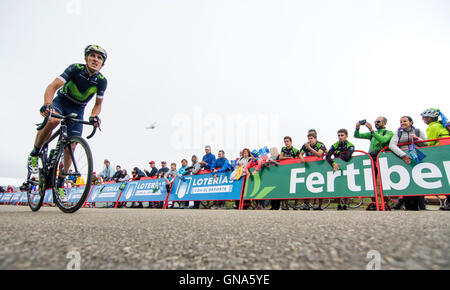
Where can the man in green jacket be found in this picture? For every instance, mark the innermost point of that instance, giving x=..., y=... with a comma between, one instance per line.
x=378, y=140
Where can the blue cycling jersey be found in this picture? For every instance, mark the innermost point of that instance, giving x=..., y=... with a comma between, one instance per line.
x=79, y=87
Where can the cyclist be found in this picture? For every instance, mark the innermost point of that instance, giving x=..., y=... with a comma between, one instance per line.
x=75, y=87
x=342, y=149
x=317, y=149
x=435, y=128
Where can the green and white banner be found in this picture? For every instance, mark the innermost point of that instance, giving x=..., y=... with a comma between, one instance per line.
x=312, y=180
x=318, y=180
x=430, y=176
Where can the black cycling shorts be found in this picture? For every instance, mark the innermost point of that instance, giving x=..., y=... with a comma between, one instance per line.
x=64, y=107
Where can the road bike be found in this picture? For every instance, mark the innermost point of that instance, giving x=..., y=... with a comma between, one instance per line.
x=71, y=159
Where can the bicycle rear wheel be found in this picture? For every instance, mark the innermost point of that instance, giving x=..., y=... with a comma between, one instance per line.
x=36, y=187
x=74, y=165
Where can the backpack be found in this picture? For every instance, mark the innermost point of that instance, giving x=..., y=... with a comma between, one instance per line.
x=416, y=132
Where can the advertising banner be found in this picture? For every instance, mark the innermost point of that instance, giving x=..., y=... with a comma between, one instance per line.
x=15, y=198
x=145, y=190
x=206, y=187
x=315, y=179
x=75, y=193
x=6, y=197
x=23, y=198
x=101, y=193
x=430, y=176
x=48, y=197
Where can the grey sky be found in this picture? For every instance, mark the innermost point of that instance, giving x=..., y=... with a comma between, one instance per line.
x=295, y=64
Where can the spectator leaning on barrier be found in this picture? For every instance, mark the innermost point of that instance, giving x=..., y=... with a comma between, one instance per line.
x=170, y=176
x=124, y=177
x=313, y=131
x=208, y=159
x=193, y=169
x=153, y=170
x=406, y=134
x=95, y=179
x=287, y=152
x=435, y=128
x=183, y=169
x=163, y=170
x=137, y=173
x=242, y=162
x=342, y=149
x=221, y=164
x=107, y=172
x=312, y=148
x=195, y=166
x=378, y=140
x=117, y=173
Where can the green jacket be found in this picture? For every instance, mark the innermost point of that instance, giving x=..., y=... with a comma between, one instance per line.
x=378, y=139
x=436, y=130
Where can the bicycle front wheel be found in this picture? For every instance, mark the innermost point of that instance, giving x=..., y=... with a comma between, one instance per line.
x=74, y=166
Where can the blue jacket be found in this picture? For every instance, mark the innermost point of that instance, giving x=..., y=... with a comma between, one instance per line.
x=221, y=162
x=209, y=159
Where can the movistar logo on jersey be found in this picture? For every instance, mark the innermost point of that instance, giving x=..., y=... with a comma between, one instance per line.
x=75, y=92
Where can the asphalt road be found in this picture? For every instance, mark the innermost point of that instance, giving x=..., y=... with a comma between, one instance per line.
x=222, y=239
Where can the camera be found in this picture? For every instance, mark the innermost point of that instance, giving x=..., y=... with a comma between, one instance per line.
x=362, y=122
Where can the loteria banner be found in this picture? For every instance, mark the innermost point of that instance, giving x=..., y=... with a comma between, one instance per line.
x=206, y=187
x=145, y=190
x=430, y=176
x=100, y=193
x=315, y=179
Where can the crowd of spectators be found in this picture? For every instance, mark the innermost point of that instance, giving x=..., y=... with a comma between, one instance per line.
x=377, y=134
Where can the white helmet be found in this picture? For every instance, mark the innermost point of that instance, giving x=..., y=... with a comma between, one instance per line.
x=432, y=112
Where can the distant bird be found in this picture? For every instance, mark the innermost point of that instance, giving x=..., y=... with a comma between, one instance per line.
x=152, y=126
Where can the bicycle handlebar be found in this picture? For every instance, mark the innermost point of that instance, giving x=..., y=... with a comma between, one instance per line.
x=72, y=118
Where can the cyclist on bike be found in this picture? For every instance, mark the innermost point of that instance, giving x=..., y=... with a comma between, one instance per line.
x=75, y=87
